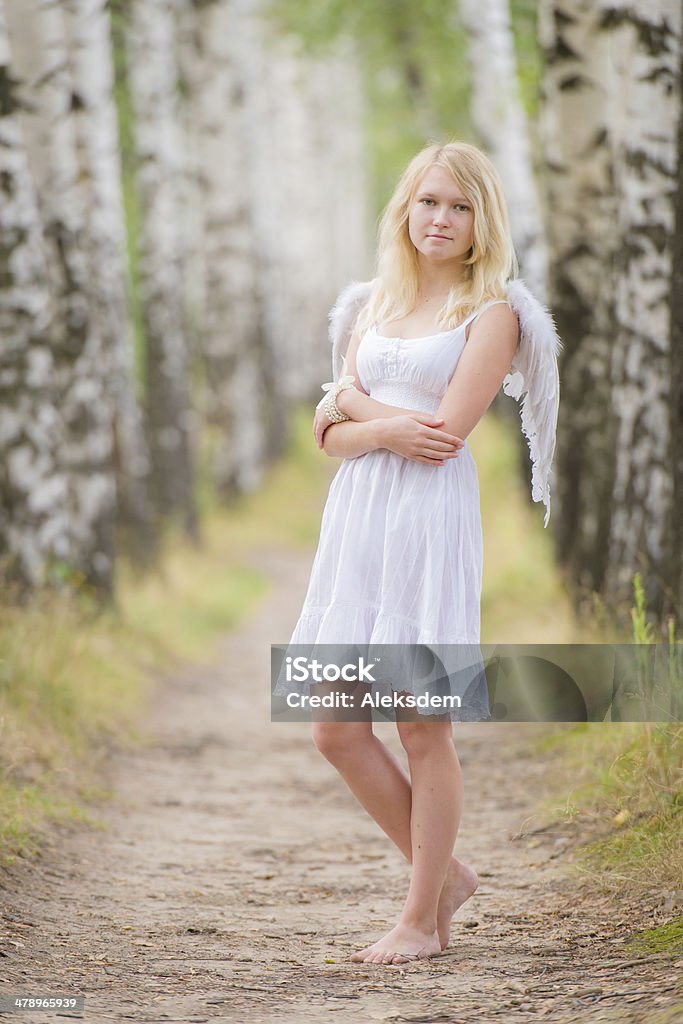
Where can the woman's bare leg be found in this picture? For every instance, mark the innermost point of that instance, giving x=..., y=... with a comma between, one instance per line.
x=436, y=806
x=378, y=782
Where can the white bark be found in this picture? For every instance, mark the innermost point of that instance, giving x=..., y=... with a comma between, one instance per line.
x=232, y=339
x=613, y=91
x=80, y=372
x=153, y=80
x=501, y=123
x=577, y=122
x=32, y=488
x=644, y=73
x=99, y=166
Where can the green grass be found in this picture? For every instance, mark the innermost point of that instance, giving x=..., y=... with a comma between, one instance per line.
x=626, y=789
x=667, y=938
x=626, y=794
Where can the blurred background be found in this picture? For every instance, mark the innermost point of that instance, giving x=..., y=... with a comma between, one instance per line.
x=186, y=186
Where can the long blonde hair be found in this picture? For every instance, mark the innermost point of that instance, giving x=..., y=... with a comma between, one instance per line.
x=488, y=267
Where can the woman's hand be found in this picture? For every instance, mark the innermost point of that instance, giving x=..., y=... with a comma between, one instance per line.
x=417, y=437
x=320, y=423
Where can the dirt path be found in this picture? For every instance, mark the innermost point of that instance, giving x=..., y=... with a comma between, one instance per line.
x=236, y=874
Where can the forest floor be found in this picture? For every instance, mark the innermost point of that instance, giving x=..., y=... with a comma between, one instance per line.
x=233, y=875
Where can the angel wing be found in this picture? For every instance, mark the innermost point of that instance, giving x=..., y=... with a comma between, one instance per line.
x=342, y=317
x=534, y=378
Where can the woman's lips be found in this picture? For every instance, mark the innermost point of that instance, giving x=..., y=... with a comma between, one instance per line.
x=442, y=237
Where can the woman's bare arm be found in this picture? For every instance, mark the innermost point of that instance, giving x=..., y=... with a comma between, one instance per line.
x=481, y=369
x=348, y=440
x=417, y=436
x=410, y=433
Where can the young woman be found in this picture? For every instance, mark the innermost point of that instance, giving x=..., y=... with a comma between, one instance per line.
x=399, y=560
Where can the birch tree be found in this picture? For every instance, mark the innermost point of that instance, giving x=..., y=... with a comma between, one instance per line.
x=576, y=127
x=33, y=521
x=644, y=68
x=153, y=82
x=84, y=453
x=232, y=340
x=500, y=121
x=99, y=172
x=613, y=103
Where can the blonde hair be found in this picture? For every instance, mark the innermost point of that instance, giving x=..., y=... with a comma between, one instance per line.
x=488, y=267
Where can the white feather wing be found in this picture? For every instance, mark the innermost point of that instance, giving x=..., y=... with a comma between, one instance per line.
x=535, y=379
x=342, y=317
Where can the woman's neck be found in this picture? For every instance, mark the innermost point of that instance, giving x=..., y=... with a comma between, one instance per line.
x=437, y=279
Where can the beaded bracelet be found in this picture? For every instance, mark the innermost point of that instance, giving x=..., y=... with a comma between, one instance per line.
x=329, y=402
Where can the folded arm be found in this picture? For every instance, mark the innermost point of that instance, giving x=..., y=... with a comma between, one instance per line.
x=407, y=432
x=481, y=369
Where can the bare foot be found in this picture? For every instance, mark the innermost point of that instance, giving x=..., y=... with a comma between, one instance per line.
x=399, y=946
x=461, y=882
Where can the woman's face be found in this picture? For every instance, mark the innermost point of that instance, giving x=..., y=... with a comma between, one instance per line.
x=441, y=218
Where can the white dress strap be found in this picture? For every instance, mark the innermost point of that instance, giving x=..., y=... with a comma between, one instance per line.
x=473, y=316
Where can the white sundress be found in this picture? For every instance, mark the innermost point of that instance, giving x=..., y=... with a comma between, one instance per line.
x=400, y=555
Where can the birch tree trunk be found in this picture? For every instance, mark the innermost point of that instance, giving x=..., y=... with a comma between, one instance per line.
x=78, y=345
x=577, y=123
x=99, y=166
x=33, y=488
x=153, y=80
x=674, y=601
x=644, y=66
x=233, y=344
x=613, y=106
x=501, y=124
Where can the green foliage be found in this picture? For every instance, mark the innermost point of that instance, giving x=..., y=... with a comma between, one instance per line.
x=305, y=473
x=524, y=14
x=643, y=631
